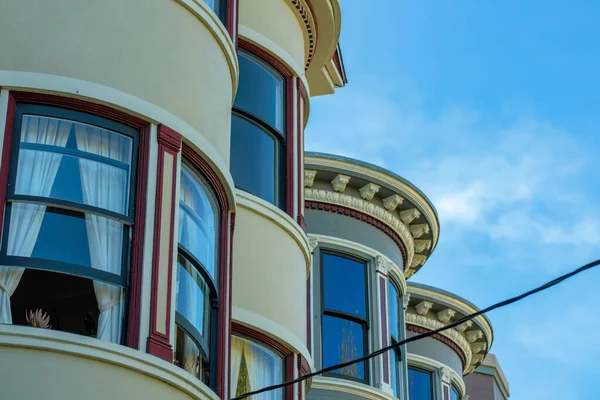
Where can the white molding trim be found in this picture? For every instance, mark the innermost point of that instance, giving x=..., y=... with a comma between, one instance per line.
x=85, y=347
x=208, y=17
x=273, y=329
x=350, y=387
x=371, y=209
x=394, y=271
x=455, y=378
x=100, y=94
x=280, y=218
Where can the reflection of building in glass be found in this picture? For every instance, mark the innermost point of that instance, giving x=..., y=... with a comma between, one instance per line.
x=161, y=236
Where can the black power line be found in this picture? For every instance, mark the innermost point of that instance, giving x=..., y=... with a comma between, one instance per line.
x=424, y=335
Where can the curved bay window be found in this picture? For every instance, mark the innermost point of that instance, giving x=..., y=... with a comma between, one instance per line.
x=255, y=366
x=258, y=134
x=345, y=314
x=393, y=304
x=420, y=384
x=197, y=275
x=67, y=222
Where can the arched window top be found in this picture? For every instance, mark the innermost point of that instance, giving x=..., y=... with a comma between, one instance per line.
x=198, y=215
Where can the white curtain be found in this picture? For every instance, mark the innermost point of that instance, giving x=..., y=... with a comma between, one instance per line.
x=191, y=356
x=239, y=347
x=35, y=176
x=264, y=370
x=105, y=186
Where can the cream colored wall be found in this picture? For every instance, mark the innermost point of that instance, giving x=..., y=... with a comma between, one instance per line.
x=270, y=264
x=278, y=22
x=52, y=365
x=157, y=50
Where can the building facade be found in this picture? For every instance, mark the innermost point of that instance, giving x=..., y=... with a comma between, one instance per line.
x=161, y=236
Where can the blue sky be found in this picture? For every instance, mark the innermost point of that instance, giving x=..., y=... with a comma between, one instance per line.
x=492, y=109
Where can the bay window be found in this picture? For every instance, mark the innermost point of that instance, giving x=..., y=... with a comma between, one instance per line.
x=420, y=384
x=258, y=131
x=197, y=275
x=393, y=304
x=344, y=314
x=255, y=366
x=68, y=220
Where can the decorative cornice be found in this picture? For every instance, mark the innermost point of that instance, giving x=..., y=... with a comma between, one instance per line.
x=423, y=307
x=422, y=245
x=405, y=300
x=455, y=336
x=371, y=209
x=407, y=216
x=309, y=177
x=313, y=244
x=418, y=260
x=478, y=347
x=472, y=336
x=390, y=203
x=419, y=230
x=383, y=265
x=339, y=182
x=464, y=326
x=368, y=191
x=445, y=375
x=308, y=22
x=446, y=315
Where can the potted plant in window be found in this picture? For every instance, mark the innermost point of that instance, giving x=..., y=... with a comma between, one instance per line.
x=37, y=319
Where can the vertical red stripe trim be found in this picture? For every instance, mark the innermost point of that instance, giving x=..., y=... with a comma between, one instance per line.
x=230, y=300
x=290, y=144
x=446, y=393
x=159, y=343
x=384, y=330
x=308, y=315
x=300, y=152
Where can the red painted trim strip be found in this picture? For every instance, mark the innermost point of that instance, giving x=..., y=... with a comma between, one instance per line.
x=290, y=144
x=300, y=155
x=317, y=205
x=231, y=231
x=441, y=338
x=446, y=393
x=6, y=149
x=265, y=55
x=384, y=330
x=308, y=315
x=158, y=343
x=137, y=242
x=303, y=369
x=225, y=247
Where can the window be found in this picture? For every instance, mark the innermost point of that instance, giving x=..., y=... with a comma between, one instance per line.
x=220, y=8
x=258, y=137
x=420, y=384
x=197, y=275
x=345, y=316
x=454, y=393
x=393, y=302
x=67, y=222
x=255, y=366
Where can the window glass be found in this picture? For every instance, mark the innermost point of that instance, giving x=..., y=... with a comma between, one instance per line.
x=393, y=305
x=454, y=394
x=192, y=296
x=395, y=378
x=254, y=159
x=419, y=385
x=197, y=220
x=189, y=357
x=343, y=340
x=260, y=91
x=344, y=285
x=71, y=161
x=254, y=367
x=36, y=231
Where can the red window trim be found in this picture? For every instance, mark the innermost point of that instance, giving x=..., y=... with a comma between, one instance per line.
x=293, y=142
x=133, y=314
x=288, y=355
x=225, y=264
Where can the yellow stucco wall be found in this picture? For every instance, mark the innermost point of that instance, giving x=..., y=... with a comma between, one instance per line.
x=276, y=20
x=269, y=273
x=157, y=50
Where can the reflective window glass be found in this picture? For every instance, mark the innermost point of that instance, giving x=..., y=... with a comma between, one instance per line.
x=343, y=340
x=192, y=296
x=393, y=306
x=419, y=385
x=254, y=159
x=344, y=285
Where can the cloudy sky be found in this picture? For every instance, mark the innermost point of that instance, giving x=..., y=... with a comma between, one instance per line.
x=492, y=108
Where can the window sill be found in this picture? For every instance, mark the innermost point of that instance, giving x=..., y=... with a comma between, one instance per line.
x=349, y=387
x=89, y=354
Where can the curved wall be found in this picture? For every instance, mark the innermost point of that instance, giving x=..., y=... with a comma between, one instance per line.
x=436, y=350
x=271, y=258
x=157, y=50
x=278, y=22
x=336, y=225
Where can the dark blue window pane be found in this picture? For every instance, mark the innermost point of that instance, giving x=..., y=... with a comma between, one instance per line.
x=454, y=393
x=253, y=159
x=343, y=341
x=192, y=297
x=395, y=378
x=260, y=91
x=344, y=285
x=419, y=385
x=393, y=305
